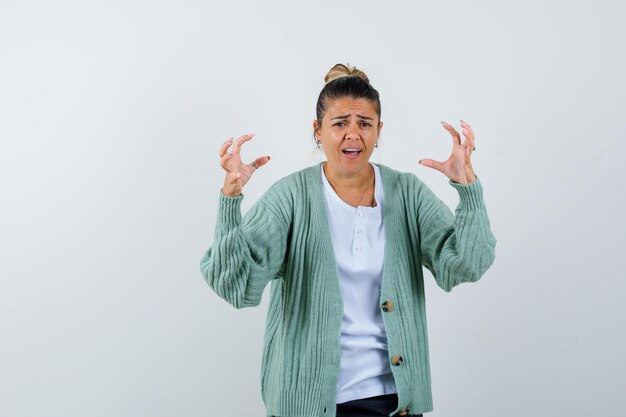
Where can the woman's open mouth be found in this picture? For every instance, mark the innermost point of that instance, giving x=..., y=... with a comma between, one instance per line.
x=351, y=152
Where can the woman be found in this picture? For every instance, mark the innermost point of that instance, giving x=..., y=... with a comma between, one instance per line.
x=343, y=244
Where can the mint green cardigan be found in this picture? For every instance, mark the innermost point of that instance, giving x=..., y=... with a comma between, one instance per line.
x=284, y=239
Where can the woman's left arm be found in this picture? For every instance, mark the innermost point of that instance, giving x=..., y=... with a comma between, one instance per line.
x=457, y=248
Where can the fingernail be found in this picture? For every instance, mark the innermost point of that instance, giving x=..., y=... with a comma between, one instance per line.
x=230, y=139
x=268, y=157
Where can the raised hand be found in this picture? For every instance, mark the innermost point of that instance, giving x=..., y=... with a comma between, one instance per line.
x=237, y=173
x=458, y=167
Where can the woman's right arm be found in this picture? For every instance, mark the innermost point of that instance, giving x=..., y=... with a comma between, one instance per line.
x=246, y=253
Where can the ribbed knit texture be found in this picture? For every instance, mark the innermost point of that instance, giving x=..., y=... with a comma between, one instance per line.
x=284, y=239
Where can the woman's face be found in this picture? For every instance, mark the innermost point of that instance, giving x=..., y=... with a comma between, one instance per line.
x=348, y=134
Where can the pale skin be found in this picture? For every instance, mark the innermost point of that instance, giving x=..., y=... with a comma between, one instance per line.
x=348, y=133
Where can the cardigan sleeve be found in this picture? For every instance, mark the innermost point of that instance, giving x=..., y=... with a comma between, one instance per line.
x=246, y=253
x=455, y=248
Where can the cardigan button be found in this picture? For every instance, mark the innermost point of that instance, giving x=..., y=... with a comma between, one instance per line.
x=387, y=306
x=397, y=360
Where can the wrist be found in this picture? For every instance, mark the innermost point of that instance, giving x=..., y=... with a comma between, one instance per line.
x=470, y=177
x=231, y=193
x=231, y=189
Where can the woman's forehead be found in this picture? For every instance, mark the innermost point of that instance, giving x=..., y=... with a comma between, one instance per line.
x=349, y=106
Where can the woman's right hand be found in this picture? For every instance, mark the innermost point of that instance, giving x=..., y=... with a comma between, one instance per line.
x=237, y=173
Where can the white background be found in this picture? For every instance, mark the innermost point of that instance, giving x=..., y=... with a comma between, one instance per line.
x=111, y=115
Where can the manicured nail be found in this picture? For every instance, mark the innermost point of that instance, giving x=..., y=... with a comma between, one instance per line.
x=230, y=139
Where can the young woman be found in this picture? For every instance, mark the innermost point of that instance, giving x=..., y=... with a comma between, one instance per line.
x=343, y=244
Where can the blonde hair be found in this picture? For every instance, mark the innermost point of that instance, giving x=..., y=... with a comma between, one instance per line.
x=341, y=70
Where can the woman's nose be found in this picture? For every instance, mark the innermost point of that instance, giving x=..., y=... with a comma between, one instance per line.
x=352, y=132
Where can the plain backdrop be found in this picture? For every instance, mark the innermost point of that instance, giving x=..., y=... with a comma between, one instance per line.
x=111, y=116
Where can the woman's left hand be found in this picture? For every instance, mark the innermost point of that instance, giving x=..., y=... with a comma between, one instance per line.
x=458, y=167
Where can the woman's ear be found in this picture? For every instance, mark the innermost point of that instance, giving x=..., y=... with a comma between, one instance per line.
x=316, y=126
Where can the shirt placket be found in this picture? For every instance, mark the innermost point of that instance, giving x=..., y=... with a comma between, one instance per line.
x=359, y=242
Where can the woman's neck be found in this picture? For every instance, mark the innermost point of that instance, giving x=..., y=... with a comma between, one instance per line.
x=356, y=189
x=358, y=180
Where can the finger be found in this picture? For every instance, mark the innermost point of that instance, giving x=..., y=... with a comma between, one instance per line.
x=241, y=141
x=472, y=145
x=468, y=154
x=469, y=135
x=259, y=162
x=469, y=128
x=471, y=141
x=431, y=163
x=225, y=146
x=224, y=162
x=469, y=144
x=456, y=137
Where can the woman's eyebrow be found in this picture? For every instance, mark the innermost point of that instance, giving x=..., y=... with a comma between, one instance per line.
x=346, y=116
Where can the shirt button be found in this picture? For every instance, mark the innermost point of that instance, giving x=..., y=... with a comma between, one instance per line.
x=397, y=360
x=387, y=306
x=358, y=249
x=361, y=213
x=359, y=231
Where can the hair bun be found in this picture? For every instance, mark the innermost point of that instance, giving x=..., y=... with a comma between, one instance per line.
x=341, y=70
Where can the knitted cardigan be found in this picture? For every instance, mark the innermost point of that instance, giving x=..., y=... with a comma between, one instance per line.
x=284, y=239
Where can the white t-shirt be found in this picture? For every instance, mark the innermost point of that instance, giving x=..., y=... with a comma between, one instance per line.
x=358, y=236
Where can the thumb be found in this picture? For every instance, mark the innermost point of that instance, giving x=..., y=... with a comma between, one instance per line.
x=431, y=163
x=262, y=161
